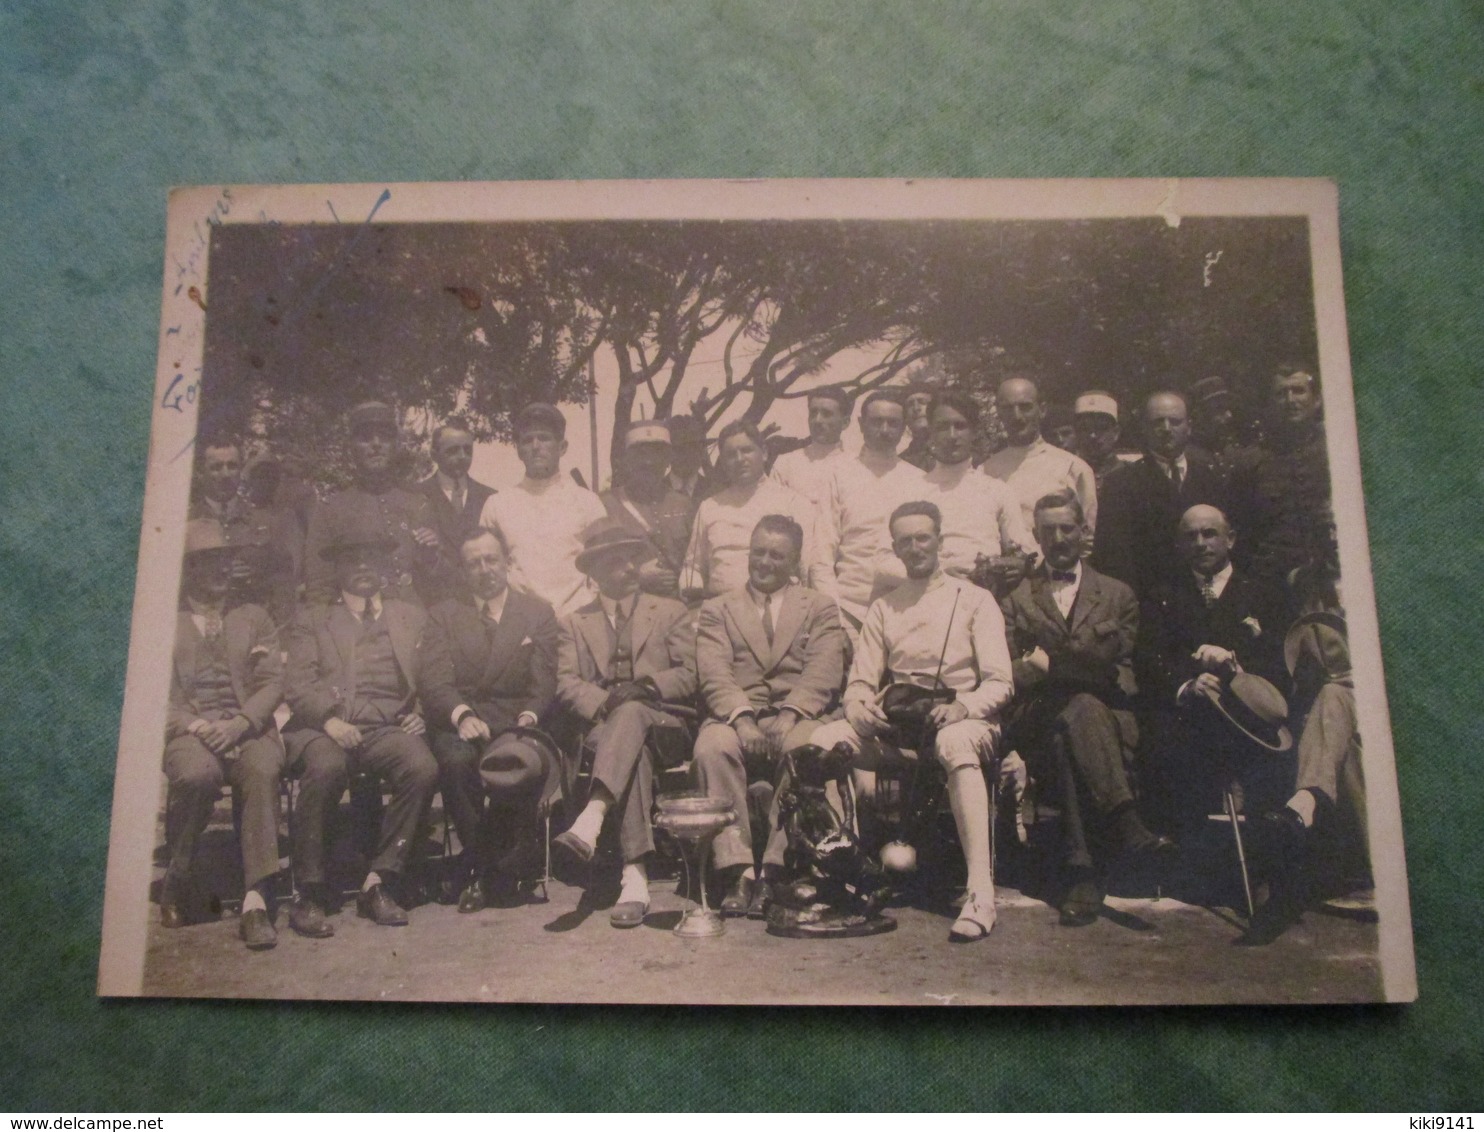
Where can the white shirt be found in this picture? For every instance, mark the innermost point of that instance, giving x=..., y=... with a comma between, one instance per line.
x=611, y=608
x=807, y=470
x=855, y=542
x=543, y=521
x=1038, y=469
x=716, y=560
x=1180, y=463
x=448, y=486
x=980, y=516
x=357, y=605
x=909, y=629
x=1064, y=593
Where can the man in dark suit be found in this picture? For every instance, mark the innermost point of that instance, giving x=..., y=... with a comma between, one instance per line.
x=487, y=663
x=771, y=659
x=417, y=570
x=225, y=684
x=1072, y=630
x=619, y=660
x=457, y=498
x=352, y=681
x=1143, y=502
x=1200, y=628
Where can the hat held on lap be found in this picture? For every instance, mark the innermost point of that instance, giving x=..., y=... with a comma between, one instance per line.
x=1258, y=710
x=517, y=759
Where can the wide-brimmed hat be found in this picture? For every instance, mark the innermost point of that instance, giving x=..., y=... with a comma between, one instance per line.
x=357, y=539
x=1257, y=709
x=518, y=759
x=607, y=535
x=204, y=536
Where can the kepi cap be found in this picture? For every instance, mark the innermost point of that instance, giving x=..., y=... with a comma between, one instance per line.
x=1095, y=401
x=647, y=432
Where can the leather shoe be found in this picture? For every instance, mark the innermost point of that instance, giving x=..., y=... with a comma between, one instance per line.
x=376, y=904
x=256, y=930
x=574, y=846
x=762, y=897
x=628, y=914
x=738, y=898
x=307, y=918
x=1082, y=904
x=474, y=897
x=974, y=922
x=171, y=916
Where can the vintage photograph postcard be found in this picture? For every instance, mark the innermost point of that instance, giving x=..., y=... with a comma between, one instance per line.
x=779, y=592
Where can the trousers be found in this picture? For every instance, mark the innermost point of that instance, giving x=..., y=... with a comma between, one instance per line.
x=196, y=777
x=622, y=763
x=722, y=769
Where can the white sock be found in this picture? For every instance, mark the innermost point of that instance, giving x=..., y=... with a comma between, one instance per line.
x=253, y=899
x=589, y=823
x=634, y=886
x=373, y=878
x=750, y=873
x=1302, y=804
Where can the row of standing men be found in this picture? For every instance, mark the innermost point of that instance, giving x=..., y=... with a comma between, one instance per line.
x=844, y=552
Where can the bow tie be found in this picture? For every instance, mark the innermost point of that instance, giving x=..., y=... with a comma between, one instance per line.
x=1063, y=575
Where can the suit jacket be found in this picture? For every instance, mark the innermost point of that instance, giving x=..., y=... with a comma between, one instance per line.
x=1248, y=619
x=1139, y=512
x=1092, y=650
x=499, y=677
x=321, y=678
x=802, y=669
x=416, y=573
x=452, y=525
x=253, y=657
x=663, y=637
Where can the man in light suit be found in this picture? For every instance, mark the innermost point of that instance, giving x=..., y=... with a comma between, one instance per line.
x=771, y=658
x=487, y=664
x=620, y=660
x=352, y=686
x=1072, y=632
x=457, y=498
x=225, y=684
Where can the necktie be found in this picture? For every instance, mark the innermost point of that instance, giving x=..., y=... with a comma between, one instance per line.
x=213, y=625
x=491, y=622
x=1208, y=591
x=368, y=616
x=458, y=499
x=768, y=617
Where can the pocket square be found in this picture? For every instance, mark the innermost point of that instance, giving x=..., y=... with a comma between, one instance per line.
x=524, y=641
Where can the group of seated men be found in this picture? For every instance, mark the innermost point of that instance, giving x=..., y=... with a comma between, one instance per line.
x=434, y=637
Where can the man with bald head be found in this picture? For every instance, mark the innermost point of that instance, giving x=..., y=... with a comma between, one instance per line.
x=1205, y=623
x=1143, y=502
x=1028, y=465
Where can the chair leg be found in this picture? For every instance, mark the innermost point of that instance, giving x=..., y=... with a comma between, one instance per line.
x=1230, y=801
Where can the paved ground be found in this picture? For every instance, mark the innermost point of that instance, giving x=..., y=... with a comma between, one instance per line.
x=1145, y=949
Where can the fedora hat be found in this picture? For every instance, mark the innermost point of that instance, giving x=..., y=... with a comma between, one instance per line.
x=607, y=535
x=518, y=758
x=355, y=539
x=1257, y=709
x=204, y=536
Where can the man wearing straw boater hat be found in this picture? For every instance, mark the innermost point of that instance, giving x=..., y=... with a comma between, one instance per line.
x=486, y=673
x=946, y=636
x=643, y=500
x=225, y=683
x=352, y=686
x=621, y=660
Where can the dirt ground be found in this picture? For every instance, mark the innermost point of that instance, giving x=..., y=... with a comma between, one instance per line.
x=1149, y=947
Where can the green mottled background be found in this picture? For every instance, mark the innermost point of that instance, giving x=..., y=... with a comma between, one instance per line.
x=105, y=104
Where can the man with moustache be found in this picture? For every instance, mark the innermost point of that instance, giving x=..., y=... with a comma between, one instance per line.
x=856, y=559
x=543, y=516
x=1072, y=631
x=643, y=500
x=807, y=470
x=716, y=560
x=352, y=687
x=487, y=670
x=934, y=631
x=225, y=684
x=417, y=569
x=620, y=659
x=1142, y=503
x=771, y=657
x=1028, y=465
